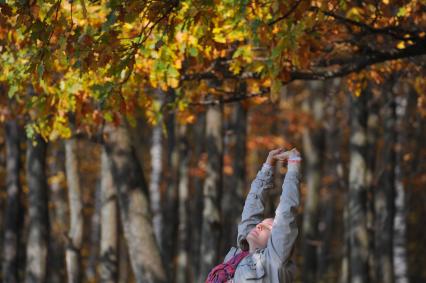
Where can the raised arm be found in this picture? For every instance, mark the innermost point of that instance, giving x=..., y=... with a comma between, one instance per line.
x=254, y=204
x=285, y=231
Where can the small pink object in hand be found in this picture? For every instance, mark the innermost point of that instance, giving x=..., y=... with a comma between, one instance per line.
x=294, y=157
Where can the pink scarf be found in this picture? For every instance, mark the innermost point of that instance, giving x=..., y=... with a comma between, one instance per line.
x=225, y=271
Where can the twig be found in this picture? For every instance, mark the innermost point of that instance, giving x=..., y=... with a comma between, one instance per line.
x=289, y=12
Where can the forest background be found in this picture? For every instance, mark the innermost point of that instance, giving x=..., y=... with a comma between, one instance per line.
x=131, y=131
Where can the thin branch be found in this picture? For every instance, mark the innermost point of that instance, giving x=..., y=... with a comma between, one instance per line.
x=411, y=51
x=231, y=99
x=395, y=32
x=286, y=15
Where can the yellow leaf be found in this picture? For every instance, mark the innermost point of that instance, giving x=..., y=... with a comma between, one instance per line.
x=401, y=45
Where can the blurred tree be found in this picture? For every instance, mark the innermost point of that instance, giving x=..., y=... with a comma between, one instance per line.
x=357, y=229
x=212, y=190
x=37, y=242
x=75, y=233
x=313, y=148
x=13, y=209
x=108, y=270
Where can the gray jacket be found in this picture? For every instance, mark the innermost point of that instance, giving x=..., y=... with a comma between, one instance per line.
x=271, y=264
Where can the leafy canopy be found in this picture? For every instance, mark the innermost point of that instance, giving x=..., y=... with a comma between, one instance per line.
x=102, y=60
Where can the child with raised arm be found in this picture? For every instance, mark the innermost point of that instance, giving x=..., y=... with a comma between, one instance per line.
x=265, y=245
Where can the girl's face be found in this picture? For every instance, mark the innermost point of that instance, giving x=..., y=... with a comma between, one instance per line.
x=259, y=235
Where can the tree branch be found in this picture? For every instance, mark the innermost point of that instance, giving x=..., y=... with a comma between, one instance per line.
x=371, y=59
x=395, y=32
x=231, y=99
x=286, y=15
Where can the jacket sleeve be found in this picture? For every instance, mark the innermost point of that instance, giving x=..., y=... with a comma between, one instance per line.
x=254, y=204
x=284, y=230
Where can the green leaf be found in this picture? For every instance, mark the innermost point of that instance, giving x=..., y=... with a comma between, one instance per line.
x=193, y=51
x=12, y=90
x=40, y=70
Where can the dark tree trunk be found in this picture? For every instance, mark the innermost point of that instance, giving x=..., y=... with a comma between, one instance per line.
x=57, y=213
x=329, y=227
x=108, y=269
x=198, y=136
x=384, y=194
x=313, y=141
x=170, y=209
x=75, y=233
x=373, y=135
x=125, y=274
x=211, y=226
x=37, y=243
x=12, y=217
x=134, y=207
x=234, y=184
x=358, y=235
x=95, y=234
x=182, y=275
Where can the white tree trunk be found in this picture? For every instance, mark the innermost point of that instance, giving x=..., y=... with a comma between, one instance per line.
x=75, y=234
x=108, y=269
x=37, y=243
x=399, y=224
x=154, y=185
x=211, y=227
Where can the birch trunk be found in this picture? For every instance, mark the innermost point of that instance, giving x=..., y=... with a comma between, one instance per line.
x=400, y=221
x=211, y=226
x=37, y=243
x=384, y=195
x=108, y=266
x=134, y=207
x=358, y=235
x=75, y=233
x=154, y=185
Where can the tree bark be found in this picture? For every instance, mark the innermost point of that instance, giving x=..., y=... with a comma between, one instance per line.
x=134, y=207
x=358, y=235
x=400, y=221
x=108, y=266
x=155, y=182
x=234, y=184
x=198, y=135
x=240, y=153
x=170, y=208
x=330, y=226
x=183, y=233
x=37, y=243
x=75, y=233
x=57, y=213
x=384, y=194
x=374, y=131
x=212, y=190
x=95, y=235
x=13, y=217
x=156, y=152
x=313, y=141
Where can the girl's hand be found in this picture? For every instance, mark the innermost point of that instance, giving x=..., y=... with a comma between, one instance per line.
x=273, y=156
